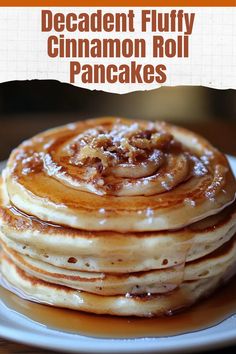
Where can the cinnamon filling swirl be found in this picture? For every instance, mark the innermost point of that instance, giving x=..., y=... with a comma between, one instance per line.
x=115, y=159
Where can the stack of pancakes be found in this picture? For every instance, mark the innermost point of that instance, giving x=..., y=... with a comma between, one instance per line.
x=113, y=216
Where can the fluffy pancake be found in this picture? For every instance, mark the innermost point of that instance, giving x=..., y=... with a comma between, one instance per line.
x=155, y=281
x=113, y=216
x=145, y=306
x=56, y=176
x=109, y=251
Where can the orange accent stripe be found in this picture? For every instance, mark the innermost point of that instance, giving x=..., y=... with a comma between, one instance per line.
x=126, y=3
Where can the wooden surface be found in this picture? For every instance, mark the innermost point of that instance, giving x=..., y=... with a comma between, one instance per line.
x=221, y=134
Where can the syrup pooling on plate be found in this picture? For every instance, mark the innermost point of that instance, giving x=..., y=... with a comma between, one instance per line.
x=208, y=313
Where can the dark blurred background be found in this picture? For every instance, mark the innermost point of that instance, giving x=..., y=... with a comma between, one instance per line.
x=27, y=107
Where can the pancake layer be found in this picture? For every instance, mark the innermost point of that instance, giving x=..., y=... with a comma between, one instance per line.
x=155, y=281
x=114, y=252
x=142, y=306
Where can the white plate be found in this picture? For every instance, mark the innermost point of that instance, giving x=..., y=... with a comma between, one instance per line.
x=17, y=327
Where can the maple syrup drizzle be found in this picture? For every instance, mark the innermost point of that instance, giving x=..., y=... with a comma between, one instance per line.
x=206, y=313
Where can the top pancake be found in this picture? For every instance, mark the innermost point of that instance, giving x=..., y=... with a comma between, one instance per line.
x=142, y=177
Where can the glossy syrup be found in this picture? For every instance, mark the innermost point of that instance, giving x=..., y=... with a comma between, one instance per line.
x=205, y=314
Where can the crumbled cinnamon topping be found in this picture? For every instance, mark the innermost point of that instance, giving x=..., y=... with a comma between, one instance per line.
x=103, y=148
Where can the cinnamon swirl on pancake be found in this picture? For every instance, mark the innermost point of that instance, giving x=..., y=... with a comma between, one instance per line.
x=117, y=216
